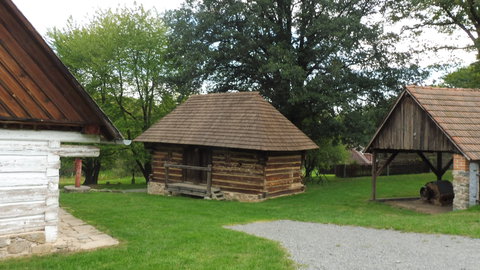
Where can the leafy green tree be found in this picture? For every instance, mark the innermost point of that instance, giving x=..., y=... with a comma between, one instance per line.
x=444, y=15
x=467, y=77
x=119, y=57
x=314, y=60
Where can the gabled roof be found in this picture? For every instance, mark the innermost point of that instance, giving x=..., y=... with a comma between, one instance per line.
x=36, y=89
x=456, y=112
x=232, y=120
x=360, y=157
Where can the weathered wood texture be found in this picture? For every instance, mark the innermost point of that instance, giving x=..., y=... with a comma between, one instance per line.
x=409, y=128
x=239, y=171
x=25, y=185
x=283, y=173
x=249, y=172
x=170, y=154
x=36, y=90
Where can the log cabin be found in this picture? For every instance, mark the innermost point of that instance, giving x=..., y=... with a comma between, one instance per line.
x=42, y=109
x=235, y=146
x=439, y=122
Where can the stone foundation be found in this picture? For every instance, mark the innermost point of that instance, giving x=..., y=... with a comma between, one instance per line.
x=73, y=235
x=17, y=245
x=242, y=197
x=461, y=181
x=156, y=188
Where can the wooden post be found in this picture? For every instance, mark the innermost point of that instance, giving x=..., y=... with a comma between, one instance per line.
x=374, y=175
x=166, y=174
x=209, y=181
x=78, y=171
x=439, y=166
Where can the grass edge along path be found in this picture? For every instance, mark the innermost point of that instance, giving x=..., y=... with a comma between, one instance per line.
x=159, y=232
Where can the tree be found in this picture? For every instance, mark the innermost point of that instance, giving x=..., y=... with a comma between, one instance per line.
x=119, y=58
x=443, y=15
x=314, y=60
x=466, y=77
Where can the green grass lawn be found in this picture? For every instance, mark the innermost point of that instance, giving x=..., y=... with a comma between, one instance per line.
x=182, y=233
x=107, y=180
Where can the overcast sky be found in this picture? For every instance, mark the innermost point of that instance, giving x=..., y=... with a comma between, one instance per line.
x=46, y=14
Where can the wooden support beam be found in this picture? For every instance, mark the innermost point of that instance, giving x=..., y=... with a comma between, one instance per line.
x=166, y=174
x=209, y=181
x=374, y=176
x=377, y=171
x=444, y=169
x=430, y=165
x=439, y=166
x=78, y=172
x=387, y=162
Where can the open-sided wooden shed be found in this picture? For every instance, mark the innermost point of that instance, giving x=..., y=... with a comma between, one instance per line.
x=234, y=143
x=42, y=107
x=435, y=120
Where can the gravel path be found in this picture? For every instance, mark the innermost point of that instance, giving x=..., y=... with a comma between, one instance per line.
x=327, y=246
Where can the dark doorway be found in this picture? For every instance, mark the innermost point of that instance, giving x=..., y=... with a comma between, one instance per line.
x=196, y=156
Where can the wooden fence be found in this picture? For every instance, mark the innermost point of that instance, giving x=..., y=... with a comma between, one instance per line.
x=355, y=170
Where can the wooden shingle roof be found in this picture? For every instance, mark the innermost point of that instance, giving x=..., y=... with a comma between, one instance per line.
x=455, y=111
x=36, y=89
x=232, y=120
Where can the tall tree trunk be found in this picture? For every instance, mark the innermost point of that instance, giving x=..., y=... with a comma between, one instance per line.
x=91, y=168
x=145, y=168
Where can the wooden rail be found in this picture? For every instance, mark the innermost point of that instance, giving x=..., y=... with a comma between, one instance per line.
x=208, y=169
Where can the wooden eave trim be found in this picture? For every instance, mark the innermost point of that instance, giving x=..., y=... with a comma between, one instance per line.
x=114, y=133
x=438, y=125
x=399, y=98
x=263, y=149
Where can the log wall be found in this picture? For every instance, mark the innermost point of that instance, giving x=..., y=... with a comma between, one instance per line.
x=257, y=173
x=172, y=154
x=283, y=174
x=28, y=187
x=239, y=171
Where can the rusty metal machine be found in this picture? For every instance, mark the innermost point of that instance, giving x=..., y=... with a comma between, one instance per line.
x=438, y=192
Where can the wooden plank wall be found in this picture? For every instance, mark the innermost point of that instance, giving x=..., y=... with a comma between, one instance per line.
x=172, y=154
x=283, y=174
x=24, y=179
x=239, y=171
x=410, y=128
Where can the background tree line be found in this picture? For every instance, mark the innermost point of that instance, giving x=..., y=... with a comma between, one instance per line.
x=328, y=65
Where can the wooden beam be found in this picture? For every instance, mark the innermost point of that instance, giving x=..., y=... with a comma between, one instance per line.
x=209, y=181
x=77, y=151
x=188, y=167
x=46, y=135
x=166, y=174
x=387, y=162
x=444, y=169
x=439, y=166
x=425, y=159
x=78, y=172
x=374, y=175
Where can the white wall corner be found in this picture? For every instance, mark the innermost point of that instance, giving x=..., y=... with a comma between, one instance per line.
x=51, y=233
x=473, y=185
